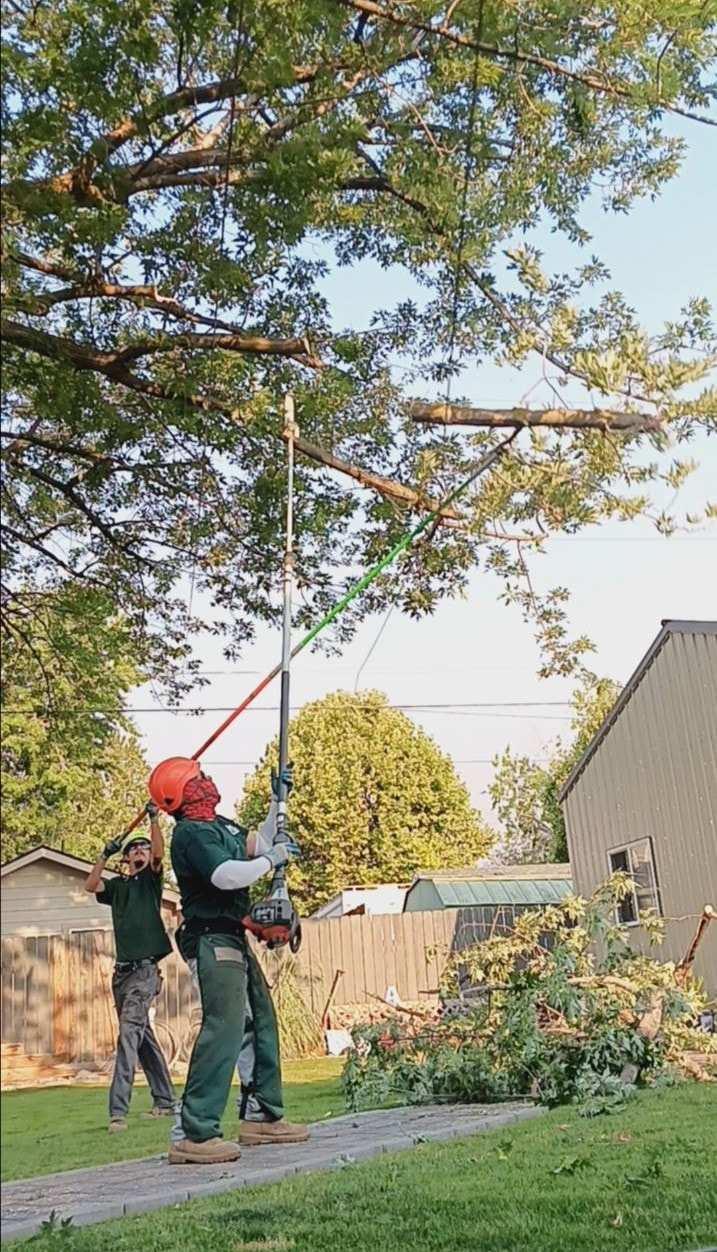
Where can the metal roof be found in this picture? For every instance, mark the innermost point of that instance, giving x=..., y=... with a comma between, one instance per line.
x=669, y=627
x=465, y=892
x=491, y=885
x=539, y=869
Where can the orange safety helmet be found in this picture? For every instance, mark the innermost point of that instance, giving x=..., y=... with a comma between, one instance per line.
x=168, y=779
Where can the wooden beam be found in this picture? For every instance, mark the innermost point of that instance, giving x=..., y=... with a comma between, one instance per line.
x=557, y=419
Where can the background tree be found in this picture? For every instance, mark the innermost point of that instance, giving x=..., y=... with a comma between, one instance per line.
x=374, y=801
x=178, y=179
x=525, y=794
x=72, y=767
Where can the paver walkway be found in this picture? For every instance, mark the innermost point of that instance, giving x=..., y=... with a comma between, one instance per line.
x=126, y=1187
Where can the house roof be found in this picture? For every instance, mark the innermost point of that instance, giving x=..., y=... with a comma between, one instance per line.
x=476, y=873
x=67, y=862
x=669, y=627
x=499, y=885
x=374, y=886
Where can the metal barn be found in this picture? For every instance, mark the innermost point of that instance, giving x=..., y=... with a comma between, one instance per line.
x=643, y=796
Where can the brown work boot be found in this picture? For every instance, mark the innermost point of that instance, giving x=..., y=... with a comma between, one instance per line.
x=117, y=1123
x=257, y=1134
x=211, y=1152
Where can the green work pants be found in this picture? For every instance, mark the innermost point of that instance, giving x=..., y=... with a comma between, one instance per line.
x=226, y=972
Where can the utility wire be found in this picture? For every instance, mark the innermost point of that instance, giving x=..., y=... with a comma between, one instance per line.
x=267, y=708
x=370, y=652
x=475, y=760
x=447, y=710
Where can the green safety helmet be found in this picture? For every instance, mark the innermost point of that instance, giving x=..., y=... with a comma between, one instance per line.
x=134, y=838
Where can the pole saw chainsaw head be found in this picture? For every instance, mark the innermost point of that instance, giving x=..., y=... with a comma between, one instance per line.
x=274, y=920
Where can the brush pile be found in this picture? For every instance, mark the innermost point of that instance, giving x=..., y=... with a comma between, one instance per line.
x=560, y=1009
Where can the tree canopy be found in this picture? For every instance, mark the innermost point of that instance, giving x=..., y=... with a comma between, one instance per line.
x=177, y=181
x=72, y=767
x=524, y=794
x=374, y=799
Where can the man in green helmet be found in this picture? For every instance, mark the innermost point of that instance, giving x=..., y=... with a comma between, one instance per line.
x=141, y=942
x=215, y=862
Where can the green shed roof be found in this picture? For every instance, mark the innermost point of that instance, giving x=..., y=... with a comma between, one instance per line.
x=527, y=885
x=502, y=891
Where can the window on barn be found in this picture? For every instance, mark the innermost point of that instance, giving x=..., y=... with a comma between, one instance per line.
x=636, y=860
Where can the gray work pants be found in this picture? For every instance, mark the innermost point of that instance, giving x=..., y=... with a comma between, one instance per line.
x=252, y=1112
x=133, y=991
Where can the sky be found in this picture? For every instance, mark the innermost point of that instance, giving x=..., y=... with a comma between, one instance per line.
x=624, y=579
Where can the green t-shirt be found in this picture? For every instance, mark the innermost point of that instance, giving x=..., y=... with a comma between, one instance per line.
x=198, y=848
x=135, y=900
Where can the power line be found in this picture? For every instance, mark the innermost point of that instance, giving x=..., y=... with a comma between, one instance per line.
x=474, y=760
x=627, y=538
x=391, y=669
x=443, y=707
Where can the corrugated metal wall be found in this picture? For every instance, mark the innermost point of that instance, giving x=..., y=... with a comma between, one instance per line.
x=655, y=775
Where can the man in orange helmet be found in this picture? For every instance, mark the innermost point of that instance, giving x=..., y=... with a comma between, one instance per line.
x=215, y=862
x=141, y=942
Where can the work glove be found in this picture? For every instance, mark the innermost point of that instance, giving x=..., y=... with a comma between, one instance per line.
x=112, y=848
x=151, y=809
x=286, y=776
x=281, y=854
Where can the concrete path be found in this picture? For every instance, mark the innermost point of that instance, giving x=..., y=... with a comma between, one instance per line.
x=106, y=1191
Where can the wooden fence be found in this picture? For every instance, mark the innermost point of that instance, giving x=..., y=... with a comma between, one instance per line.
x=56, y=989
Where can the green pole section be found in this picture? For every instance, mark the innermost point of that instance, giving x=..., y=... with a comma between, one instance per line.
x=402, y=544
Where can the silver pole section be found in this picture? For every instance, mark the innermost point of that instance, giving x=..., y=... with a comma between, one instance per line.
x=290, y=433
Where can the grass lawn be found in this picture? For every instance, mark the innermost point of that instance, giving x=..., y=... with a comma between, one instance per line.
x=643, y=1180
x=58, y=1128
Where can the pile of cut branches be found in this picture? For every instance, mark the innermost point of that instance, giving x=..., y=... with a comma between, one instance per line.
x=536, y=1013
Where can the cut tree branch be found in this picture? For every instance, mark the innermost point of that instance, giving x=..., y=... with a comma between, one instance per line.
x=556, y=419
x=112, y=365
x=375, y=482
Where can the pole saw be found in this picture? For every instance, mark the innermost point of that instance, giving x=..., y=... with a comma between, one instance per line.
x=482, y=465
x=274, y=919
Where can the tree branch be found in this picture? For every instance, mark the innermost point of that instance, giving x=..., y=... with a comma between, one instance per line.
x=382, y=184
x=495, y=52
x=143, y=295
x=185, y=98
x=43, y=266
x=67, y=490
x=571, y=419
x=28, y=438
x=30, y=542
x=113, y=366
x=211, y=179
x=375, y=482
x=46, y=344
